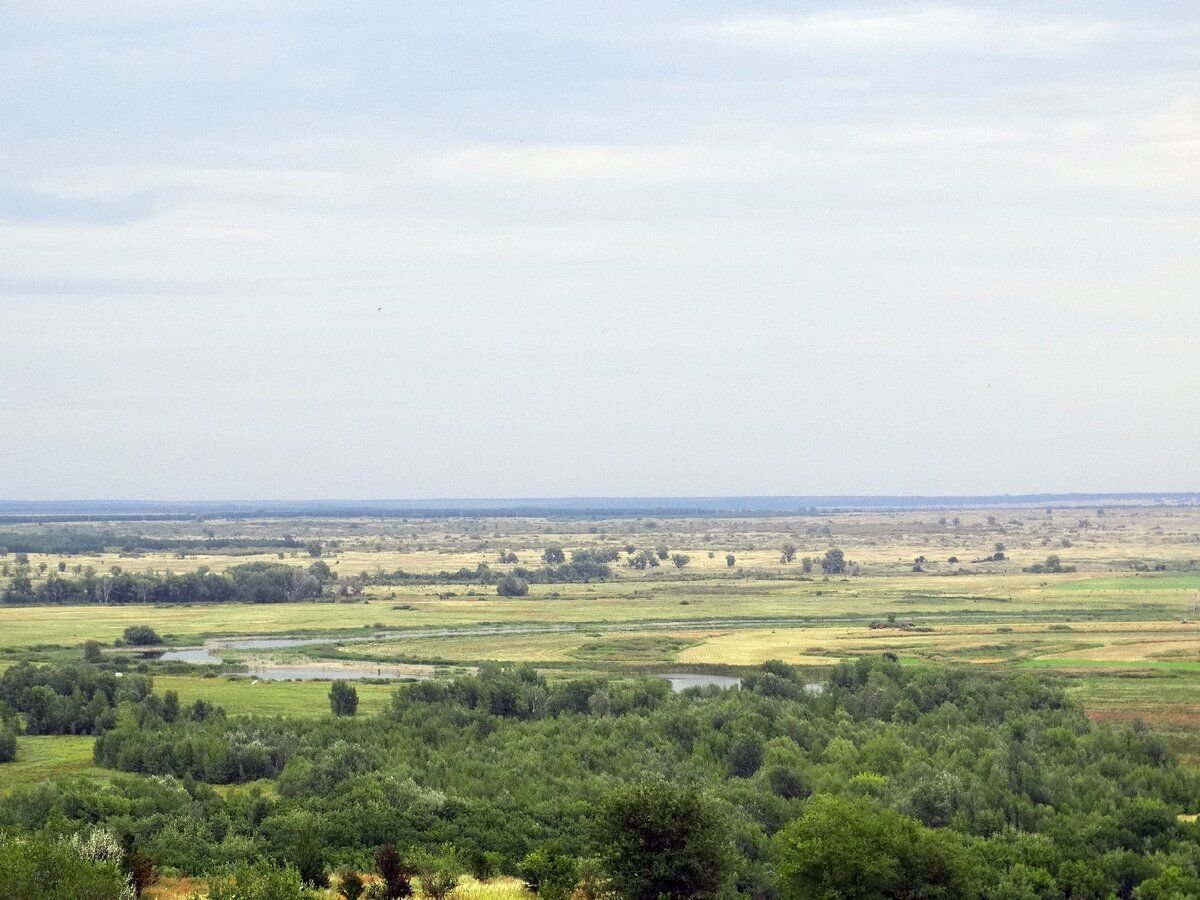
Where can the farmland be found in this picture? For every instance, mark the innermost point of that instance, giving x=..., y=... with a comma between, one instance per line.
x=944, y=586
x=1099, y=603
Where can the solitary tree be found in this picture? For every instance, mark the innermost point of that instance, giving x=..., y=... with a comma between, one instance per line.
x=91, y=651
x=834, y=562
x=680, y=560
x=512, y=586
x=141, y=636
x=788, y=553
x=553, y=555
x=343, y=698
x=730, y=560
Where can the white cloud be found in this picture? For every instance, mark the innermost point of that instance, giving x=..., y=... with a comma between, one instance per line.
x=917, y=29
x=628, y=164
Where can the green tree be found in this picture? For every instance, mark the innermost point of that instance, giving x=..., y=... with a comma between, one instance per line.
x=553, y=555
x=37, y=868
x=92, y=652
x=848, y=849
x=8, y=744
x=260, y=881
x=343, y=698
x=550, y=874
x=663, y=840
x=438, y=872
x=788, y=554
x=730, y=560
x=512, y=586
x=834, y=562
x=680, y=560
x=141, y=636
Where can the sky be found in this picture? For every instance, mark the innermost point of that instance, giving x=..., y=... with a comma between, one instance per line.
x=288, y=250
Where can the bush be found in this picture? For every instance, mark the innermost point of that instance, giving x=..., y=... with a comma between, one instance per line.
x=45, y=869
x=350, y=883
x=141, y=636
x=343, y=698
x=91, y=652
x=512, y=586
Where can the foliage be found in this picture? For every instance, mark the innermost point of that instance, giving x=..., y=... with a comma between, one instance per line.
x=512, y=586
x=845, y=848
x=43, y=868
x=397, y=879
x=141, y=636
x=664, y=840
x=258, y=881
x=343, y=698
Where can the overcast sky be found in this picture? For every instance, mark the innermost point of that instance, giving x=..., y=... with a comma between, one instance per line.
x=263, y=249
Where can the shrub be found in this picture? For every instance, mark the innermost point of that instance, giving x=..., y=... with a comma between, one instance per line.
x=141, y=636
x=512, y=586
x=343, y=698
x=8, y=745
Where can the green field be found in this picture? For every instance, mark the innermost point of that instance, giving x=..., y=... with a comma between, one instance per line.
x=1128, y=638
x=243, y=696
x=39, y=758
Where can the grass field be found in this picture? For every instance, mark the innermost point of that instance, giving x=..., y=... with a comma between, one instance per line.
x=39, y=758
x=1123, y=627
x=243, y=696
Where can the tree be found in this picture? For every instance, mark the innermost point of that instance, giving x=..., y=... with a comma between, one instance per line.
x=260, y=880
x=553, y=555
x=397, y=879
x=343, y=698
x=730, y=560
x=550, y=874
x=91, y=652
x=663, y=840
x=680, y=560
x=8, y=744
x=834, y=562
x=848, y=849
x=308, y=855
x=788, y=554
x=439, y=872
x=662, y=551
x=745, y=756
x=41, y=868
x=141, y=636
x=512, y=586
x=170, y=706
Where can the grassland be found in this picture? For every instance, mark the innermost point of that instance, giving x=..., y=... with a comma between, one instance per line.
x=39, y=758
x=244, y=696
x=1123, y=626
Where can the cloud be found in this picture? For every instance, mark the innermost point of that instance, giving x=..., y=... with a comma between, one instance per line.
x=627, y=164
x=948, y=29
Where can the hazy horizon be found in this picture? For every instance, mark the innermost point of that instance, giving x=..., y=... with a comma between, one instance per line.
x=654, y=249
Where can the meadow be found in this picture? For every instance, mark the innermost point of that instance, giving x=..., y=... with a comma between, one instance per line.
x=1120, y=622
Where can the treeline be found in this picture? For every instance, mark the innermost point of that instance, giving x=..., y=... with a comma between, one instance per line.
x=257, y=582
x=893, y=781
x=263, y=582
x=67, y=699
x=68, y=542
x=583, y=566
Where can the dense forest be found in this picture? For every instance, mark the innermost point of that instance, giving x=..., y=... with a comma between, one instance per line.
x=885, y=781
